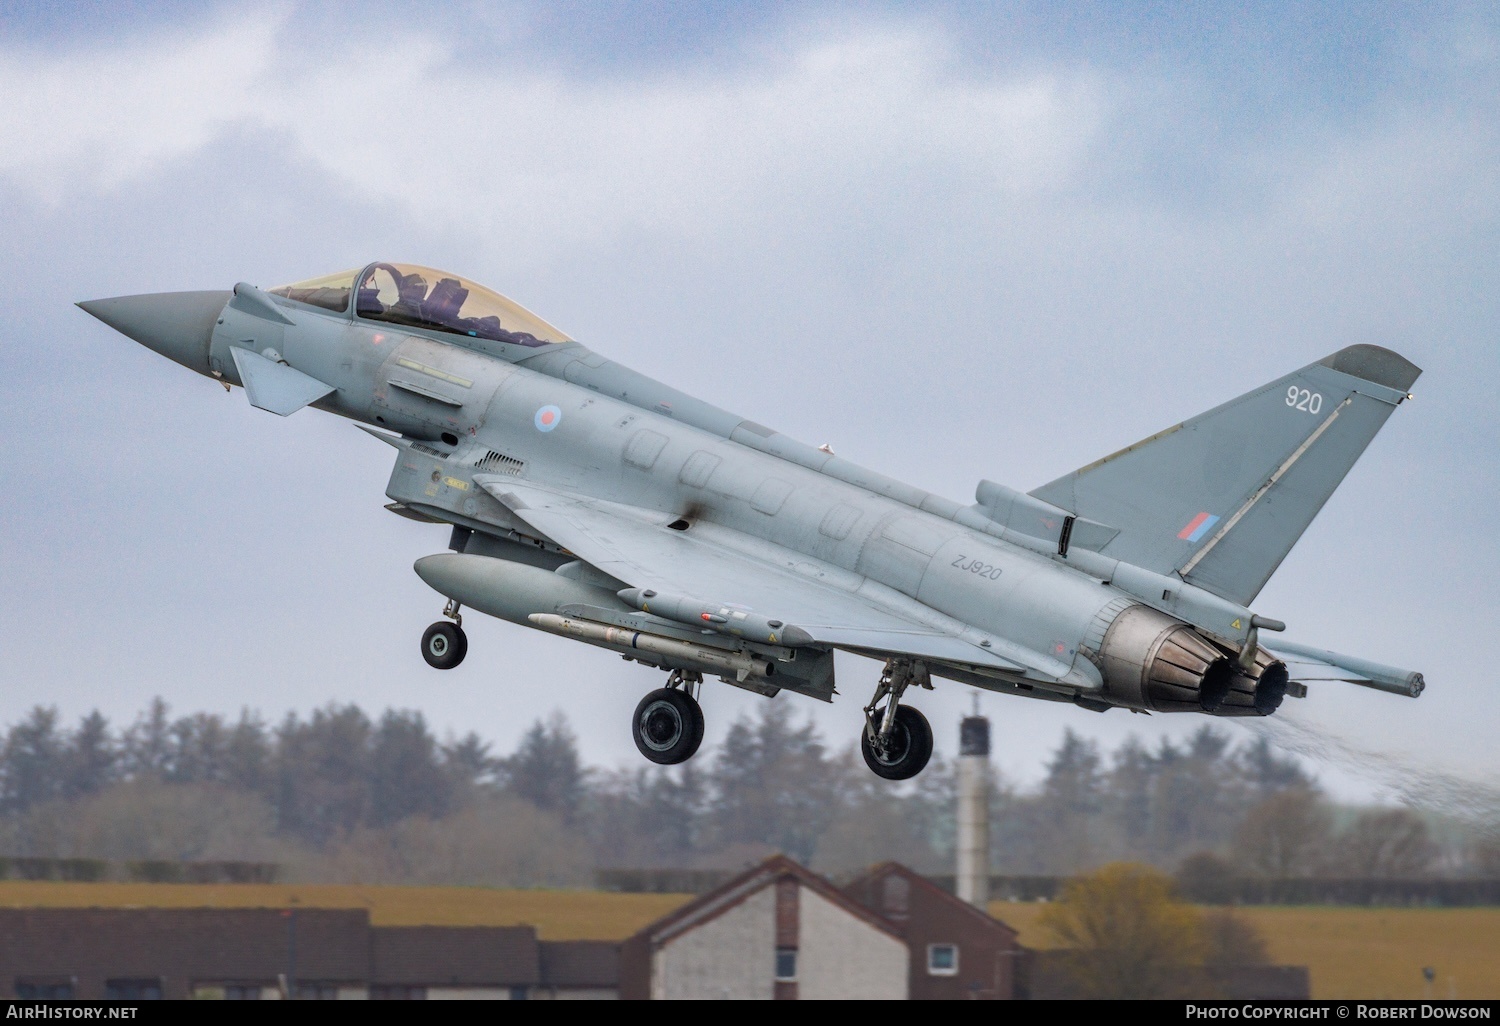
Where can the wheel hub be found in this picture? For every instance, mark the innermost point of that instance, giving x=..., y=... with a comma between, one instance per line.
x=893, y=749
x=661, y=726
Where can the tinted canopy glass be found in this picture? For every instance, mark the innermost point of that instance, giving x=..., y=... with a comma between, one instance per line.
x=420, y=297
x=331, y=291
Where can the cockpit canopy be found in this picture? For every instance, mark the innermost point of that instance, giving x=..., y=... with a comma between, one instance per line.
x=421, y=297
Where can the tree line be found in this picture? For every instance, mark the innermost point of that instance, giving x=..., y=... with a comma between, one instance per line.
x=1209, y=807
x=342, y=795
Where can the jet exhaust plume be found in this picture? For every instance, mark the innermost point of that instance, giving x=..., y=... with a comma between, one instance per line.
x=1420, y=786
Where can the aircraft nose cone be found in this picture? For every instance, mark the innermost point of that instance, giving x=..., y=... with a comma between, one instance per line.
x=178, y=325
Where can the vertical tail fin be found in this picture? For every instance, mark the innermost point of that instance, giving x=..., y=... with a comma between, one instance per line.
x=1222, y=498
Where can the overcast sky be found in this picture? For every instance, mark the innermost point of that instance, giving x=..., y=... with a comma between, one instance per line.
x=955, y=241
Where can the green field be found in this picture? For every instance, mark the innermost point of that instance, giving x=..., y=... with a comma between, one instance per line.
x=1351, y=952
x=1359, y=952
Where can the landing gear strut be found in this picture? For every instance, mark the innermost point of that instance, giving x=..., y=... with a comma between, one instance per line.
x=897, y=740
x=668, y=724
x=444, y=644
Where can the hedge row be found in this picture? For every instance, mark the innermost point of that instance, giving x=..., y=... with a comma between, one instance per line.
x=141, y=871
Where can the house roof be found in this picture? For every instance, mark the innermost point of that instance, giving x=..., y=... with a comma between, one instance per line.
x=580, y=963
x=246, y=944
x=722, y=899
x=932, y=891
x=466, y=956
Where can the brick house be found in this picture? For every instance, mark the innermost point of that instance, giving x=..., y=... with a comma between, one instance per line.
x=957, y=951
x=775, y=931
x=257, y=954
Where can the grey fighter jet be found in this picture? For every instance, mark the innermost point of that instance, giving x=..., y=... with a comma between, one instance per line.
x=592, y=502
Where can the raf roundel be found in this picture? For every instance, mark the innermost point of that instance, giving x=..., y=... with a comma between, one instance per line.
x=547, y=418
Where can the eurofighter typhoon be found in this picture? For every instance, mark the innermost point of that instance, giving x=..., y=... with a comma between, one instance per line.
x=594, y=503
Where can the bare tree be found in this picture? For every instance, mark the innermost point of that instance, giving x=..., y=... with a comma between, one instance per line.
x=1207, y=878
x=1288, y=834
x=1387, y=843
x=501, y=842
x=151, y=819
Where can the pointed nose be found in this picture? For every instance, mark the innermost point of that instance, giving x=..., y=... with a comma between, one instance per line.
x=178, y=325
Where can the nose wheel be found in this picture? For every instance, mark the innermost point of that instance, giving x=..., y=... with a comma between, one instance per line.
x=668, y=723
x=445, y=644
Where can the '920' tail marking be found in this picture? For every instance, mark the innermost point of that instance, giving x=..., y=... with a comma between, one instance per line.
x=1302, y=399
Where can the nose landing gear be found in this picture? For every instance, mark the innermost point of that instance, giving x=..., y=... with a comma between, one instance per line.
x=444, y=644
x=897, y=740
x=668, y=722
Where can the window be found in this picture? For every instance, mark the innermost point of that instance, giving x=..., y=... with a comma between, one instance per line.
x=132, y=990
x=419, y=297
x=786, y=965
x=942, y=959
x=45, y=989
x=317, y=992
x=331, y=291
x=396, y=992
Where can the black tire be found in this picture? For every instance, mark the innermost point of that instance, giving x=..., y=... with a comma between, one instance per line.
x=667, y=726
x=444, y=645
x=910, y=748
x=697, y=728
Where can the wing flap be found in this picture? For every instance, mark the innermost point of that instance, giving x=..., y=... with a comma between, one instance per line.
x=925, y=644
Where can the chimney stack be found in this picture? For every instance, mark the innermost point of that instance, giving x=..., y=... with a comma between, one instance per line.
x=974, y=810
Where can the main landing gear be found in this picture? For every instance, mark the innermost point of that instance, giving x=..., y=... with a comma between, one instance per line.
x=445, y=644
x=668, y=724
x=897, y=740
